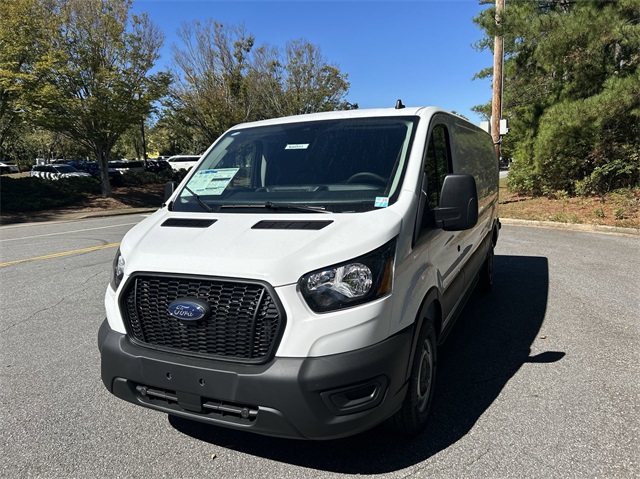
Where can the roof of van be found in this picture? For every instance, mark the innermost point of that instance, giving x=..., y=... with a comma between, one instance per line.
x=360, y=113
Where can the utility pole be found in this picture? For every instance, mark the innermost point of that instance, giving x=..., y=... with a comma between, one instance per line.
x=498, y=62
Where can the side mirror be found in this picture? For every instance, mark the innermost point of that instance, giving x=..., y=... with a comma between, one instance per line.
x=458, y=208
x=169, y=188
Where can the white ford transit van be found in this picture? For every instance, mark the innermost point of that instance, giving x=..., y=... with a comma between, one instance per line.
x=299, y=279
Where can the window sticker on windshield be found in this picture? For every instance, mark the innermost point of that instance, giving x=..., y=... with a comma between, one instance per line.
x=381, y=202
x=212, y=182
x=297, y=146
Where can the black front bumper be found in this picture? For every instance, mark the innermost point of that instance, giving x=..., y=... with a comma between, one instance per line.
x=313, y=398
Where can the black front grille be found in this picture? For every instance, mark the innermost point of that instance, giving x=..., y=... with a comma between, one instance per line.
x=245, y=322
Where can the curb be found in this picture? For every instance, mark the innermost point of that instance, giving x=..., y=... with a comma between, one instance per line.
x=572, y=226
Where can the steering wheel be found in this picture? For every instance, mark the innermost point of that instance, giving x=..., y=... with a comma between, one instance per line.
x=367, y=175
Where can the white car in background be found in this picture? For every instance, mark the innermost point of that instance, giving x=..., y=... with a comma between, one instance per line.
x=183, y=162
x=54, y=172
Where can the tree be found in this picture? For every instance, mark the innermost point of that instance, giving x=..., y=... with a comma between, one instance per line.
x=299, y=80
x=210, y=94
x=92, y=83
x=22, y=27
x=225, y=79
x=172, y=135
x=27, y=143
x=571, y=93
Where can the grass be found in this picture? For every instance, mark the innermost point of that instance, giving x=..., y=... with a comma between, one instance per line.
x=619, y=208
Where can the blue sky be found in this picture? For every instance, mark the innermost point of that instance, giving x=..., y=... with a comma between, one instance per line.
x=420, y=51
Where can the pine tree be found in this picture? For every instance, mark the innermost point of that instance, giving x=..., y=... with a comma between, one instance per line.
x=571, y=93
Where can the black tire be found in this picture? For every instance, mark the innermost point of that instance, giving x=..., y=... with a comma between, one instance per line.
x=412, y=417
x=485, y=282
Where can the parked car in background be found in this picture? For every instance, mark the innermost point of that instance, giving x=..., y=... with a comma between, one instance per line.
x=155, y=165
x=90, y=167
x=183, y=162
x=126, y=166
x=6, y=168
x=54, y=172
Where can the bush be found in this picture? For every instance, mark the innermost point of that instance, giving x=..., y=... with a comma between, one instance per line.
x=585, y=146
x=523, y=179
x=19, y=195
x=33, y=194
x=134, y=178
x=139, y=178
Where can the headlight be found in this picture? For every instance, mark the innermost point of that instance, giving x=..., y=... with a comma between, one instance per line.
x=351, y=283
x=118, y=270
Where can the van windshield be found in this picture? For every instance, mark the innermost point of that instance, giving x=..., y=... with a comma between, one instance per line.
x=345, y=165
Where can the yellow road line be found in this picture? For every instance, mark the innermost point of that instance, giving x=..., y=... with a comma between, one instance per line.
x=58, y=255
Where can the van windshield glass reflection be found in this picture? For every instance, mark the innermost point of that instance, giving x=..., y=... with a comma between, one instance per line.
x=351, y=165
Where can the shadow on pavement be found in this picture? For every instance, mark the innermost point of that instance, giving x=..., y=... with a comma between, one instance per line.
x=488, y=345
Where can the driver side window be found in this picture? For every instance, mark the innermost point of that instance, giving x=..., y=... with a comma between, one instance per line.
x=437, y=163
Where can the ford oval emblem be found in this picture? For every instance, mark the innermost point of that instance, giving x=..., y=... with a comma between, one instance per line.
x=189, y=310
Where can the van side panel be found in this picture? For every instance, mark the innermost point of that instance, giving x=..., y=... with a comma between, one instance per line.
x=449, y=266
x=476, y=156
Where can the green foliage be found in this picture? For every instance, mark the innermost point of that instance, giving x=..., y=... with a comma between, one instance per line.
x=309, y=83
x=225, y=80
x=90, y=79
x=76, y=82
x=133, y=178
x=523, y=179
x=140, y=178
x=571, y=93
x=33, y=194
x=22, y=29
x=620, y=214
x=590, y=146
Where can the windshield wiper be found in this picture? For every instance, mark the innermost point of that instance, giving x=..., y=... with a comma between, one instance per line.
x=205, y=206
x=290, y=206
x=278, y=206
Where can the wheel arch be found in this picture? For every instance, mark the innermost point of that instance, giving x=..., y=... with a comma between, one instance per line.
x=430, y=309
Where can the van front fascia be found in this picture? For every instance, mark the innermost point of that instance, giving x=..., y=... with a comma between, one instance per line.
x=304, y=398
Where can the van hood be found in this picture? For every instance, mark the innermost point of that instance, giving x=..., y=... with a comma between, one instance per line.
x=276, y=248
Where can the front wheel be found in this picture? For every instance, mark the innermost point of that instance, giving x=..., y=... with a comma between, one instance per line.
x=412, y=417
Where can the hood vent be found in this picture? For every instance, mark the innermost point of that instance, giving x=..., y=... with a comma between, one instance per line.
x=188, y=223
x=290, y=225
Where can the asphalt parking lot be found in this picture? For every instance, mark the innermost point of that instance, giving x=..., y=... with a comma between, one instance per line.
x=538, y=378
